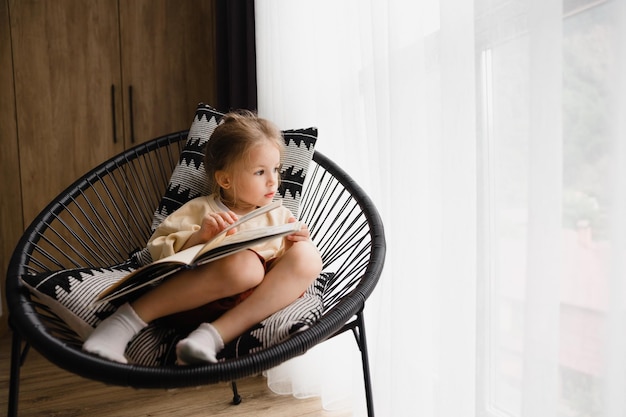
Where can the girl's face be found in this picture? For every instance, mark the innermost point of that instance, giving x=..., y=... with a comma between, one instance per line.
x=256, y=181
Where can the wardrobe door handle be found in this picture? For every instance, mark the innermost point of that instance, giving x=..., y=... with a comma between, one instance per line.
x=132, y=121
x=113, y=113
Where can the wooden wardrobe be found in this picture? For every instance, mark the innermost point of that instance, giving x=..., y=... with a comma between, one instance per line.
x=81, y=81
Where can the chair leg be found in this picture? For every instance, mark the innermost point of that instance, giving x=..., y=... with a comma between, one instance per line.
x=17, y=359
x=236, y=396
x=359, y=334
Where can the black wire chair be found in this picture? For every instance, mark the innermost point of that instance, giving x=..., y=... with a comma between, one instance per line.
x=115, y=203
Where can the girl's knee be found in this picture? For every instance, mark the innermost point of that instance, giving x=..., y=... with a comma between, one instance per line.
x=306, y=259
x=244, y=269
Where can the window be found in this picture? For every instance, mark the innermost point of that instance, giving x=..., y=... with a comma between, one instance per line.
x=506, y=82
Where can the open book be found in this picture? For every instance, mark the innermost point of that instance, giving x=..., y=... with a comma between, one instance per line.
x=219, y=246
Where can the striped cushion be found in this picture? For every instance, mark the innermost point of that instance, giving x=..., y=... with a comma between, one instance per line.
x=156, y=345
x=69, y=294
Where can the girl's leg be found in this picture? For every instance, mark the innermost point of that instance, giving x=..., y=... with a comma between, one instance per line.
x=196, y=287
x=288, y=278
x=184, y=291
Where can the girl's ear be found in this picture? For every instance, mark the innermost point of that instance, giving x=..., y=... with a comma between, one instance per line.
x=223, y=179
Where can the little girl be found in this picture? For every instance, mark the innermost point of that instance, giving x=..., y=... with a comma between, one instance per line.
x=243, y=156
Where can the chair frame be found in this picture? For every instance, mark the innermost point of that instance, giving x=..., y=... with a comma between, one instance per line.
x=356, y=243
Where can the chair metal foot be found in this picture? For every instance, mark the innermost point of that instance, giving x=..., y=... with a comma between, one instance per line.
x=236, y=396
x=17, y=359
x=359, y=334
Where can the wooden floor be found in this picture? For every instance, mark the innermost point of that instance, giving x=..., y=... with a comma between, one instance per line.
x=47, y=390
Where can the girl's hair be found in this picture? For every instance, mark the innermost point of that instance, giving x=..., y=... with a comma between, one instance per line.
x=238, y=132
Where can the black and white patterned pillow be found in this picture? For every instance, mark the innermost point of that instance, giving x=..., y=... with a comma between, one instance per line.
x=189, y=179
x=69, y=294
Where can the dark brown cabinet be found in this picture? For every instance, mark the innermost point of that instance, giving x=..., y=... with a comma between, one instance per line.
x=81, y=81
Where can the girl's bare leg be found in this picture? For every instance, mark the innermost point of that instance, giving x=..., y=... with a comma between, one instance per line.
x=196, y=287
x=288, y=278
x=184, y=291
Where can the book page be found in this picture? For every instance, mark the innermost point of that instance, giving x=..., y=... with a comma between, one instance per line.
x=188, y=255
x=245, y=239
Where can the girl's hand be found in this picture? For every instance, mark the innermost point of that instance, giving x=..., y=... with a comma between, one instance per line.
x=300, y=235
x=212, y=224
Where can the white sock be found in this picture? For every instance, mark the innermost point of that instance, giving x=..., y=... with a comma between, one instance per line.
x=110, y=338
x=201, y=346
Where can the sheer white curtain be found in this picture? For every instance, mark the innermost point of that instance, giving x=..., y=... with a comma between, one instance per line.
x=490, y=136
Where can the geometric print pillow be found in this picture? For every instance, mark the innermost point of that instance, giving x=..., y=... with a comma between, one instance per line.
x=189, y=179
x=70, y=293
x=299, y=149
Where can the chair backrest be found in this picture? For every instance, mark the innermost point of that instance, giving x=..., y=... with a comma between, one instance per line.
x=105, y=216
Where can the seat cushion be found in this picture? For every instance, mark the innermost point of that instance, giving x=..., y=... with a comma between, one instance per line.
x=70, y=294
